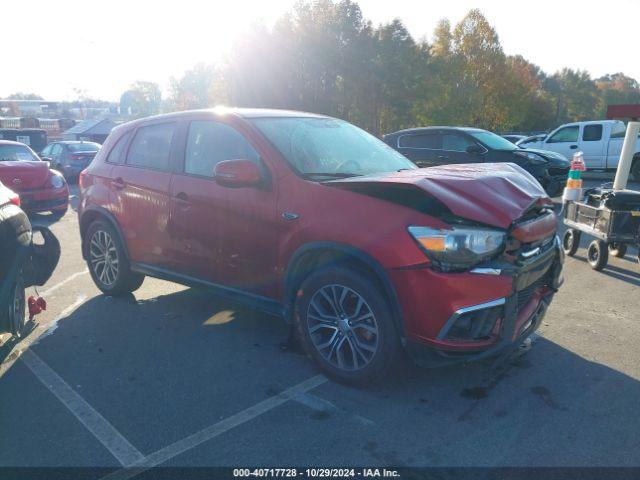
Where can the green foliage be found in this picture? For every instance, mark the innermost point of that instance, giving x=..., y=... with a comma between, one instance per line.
x=325, y=57
x=142, y=99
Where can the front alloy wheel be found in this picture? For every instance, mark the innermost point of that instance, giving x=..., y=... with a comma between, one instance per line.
x=346, y=325
x=342, y=327
x=17, y=309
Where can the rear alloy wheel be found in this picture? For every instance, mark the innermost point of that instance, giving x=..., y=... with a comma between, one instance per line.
x=346, y=325
x=17, y=310
x=571, y=241
x=598, y=254
x=107, y=261
x=618, y=250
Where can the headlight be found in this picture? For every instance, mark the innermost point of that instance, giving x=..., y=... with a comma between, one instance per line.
x=458, y=248
x=57, y=180
x=533, y=158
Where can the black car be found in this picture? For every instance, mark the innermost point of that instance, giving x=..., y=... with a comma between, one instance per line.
x=429, y=146
x=70, y=157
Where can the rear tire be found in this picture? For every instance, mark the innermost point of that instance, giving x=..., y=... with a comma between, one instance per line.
x=346, y=326
x=571, y=241
x=108, y=264
x=618, y=250
x=598, y=254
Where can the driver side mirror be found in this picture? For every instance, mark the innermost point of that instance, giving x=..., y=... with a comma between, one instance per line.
x=46, y=159
x=237, y=173
x=475, y=150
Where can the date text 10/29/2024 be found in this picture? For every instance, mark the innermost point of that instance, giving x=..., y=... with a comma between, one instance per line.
x=315, y=473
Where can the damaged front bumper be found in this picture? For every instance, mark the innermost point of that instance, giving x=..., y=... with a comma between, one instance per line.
x=501, y=324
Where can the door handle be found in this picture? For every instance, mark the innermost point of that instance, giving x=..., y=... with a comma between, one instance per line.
x=118, y=183
x=573, y=147
x=442, y=157
x=183, y=201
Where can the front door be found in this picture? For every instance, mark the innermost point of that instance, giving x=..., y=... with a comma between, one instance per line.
x=564, y=141
x=454, y=149
x=225, y=235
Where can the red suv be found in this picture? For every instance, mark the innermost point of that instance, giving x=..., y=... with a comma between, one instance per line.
x=312, y=218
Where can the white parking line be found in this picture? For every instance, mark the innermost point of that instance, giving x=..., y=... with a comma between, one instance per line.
x=192, y=441
x=106, y=433
x=52, y=289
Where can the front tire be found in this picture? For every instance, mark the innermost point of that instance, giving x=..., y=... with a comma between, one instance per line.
x=107, y=261
x=598, y=254
x=346, y=325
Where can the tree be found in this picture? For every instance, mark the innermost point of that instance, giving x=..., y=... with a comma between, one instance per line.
x=196, y=88
x=142, y=99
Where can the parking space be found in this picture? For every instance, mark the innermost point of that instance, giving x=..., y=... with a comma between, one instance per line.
x=175, y=377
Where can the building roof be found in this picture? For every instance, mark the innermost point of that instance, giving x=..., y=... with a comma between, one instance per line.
x=95, y=127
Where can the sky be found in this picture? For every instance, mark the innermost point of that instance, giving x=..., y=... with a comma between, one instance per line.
x=63, y=47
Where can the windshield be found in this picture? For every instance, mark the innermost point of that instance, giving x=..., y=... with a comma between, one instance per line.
x=83, y=147
x=326, y=147
x=9, y=153
x=491, y=140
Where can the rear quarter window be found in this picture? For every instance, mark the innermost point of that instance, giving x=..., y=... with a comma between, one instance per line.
x=117, y=153
x=151, y=146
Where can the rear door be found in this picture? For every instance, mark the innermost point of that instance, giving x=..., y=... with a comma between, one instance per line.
x=140, y=188
x=592, y=145
x=422, y=148
x=563, y=140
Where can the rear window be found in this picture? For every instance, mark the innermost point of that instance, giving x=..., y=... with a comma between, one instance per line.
x=592, y=133
x=151, y=147
x=16, y=153
x=83, y=147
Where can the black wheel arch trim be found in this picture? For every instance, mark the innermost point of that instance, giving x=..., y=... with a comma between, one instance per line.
x=107, y=215
x=291, y=282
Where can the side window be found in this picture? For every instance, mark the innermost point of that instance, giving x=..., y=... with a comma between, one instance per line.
x=46, y=151
x=421, y=140
x=211, y=142
x=592, y=133
x=116, y=155
x=455, y=143
x=566, y=134
x=151, y=146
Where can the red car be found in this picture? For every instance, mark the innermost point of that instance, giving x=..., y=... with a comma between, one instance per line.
x=314, y=219
x=41, y=189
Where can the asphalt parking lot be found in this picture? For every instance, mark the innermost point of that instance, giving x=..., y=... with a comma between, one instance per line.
x=175, y=377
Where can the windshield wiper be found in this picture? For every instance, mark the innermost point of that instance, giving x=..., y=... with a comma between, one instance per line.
x=315, y=175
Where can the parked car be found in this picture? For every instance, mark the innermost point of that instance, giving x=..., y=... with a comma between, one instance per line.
x=514, y=138
x=600, y=141
x=23, y=263
x=431, y=146
x=41, y=188
x=532, y=141
x=70, y=157
x=311, y=218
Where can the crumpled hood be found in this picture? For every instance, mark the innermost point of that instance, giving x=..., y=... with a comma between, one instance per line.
x=21, y=175
x=490, y=193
